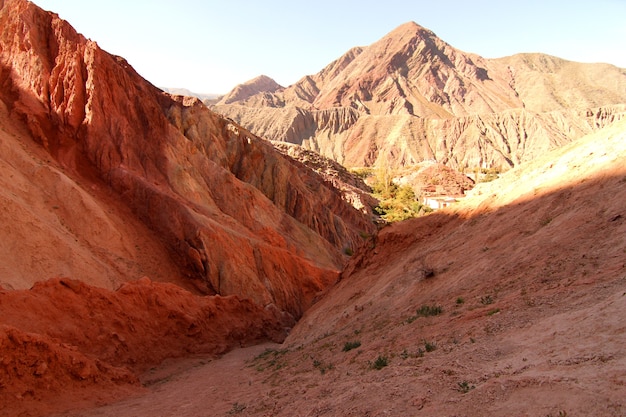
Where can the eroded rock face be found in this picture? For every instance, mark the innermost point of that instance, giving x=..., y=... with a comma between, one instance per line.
x=411, y=97
x=237, y=216
x=62, y=336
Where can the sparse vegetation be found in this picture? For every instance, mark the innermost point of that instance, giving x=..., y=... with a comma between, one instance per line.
x=561, y=414
x=460, y=300
x=351, y=345
x=427, y=272
x=464, y=387
x=380, y=363
x=429, y=346
x=348, y=251
x=237, y=409
x=405, y=354
x=487, y=174
x=322, y=367
x=494, y=311
x=362, y=173
x=426, y=311
x=486, y=300
x=270, y=358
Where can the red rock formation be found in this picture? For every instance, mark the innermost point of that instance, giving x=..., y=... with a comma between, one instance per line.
x=63, y=336
x=109, y=176
x=241, y=218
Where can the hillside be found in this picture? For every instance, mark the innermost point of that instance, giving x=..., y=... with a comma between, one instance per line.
x=200, y=183
x=140, y=216
x=411, y=97
x=530, y=279
x=160, y=259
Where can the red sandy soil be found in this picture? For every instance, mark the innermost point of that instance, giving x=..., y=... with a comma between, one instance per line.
x=530, y=273
x=65, y=344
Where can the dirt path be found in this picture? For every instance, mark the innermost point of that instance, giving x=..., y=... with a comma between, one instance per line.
x=194, y=387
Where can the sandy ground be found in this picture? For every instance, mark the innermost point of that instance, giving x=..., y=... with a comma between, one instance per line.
x=199, y=386
x=530, y=275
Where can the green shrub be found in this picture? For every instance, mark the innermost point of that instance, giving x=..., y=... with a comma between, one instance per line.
x=427, y=311
x=396, y=203
x=464, y=387
x=351, y=345
x=494, y=311
x=429, y=346
x=380, y=363
x=322, y=366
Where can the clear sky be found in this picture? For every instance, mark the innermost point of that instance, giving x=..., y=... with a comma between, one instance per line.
x=211, y=46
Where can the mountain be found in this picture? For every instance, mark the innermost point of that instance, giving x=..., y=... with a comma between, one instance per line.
x=412, y=97
x=108, y=181
x=259, y=85
x=186, y=92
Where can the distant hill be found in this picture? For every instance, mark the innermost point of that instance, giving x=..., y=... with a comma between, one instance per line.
x=411, y=97
x=258, y=85
x=206, y=98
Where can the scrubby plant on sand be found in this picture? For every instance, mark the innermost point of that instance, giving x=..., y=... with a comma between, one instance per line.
x=351, y=345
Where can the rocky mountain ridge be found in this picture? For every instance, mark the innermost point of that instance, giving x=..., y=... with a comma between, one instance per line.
x=411, y=97
x=170, y=156
x=108, y=180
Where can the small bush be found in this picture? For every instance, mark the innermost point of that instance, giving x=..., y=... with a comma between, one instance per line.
x=322, y=366
x=237, y=409
x=429, y=346
x=460, y=300
x=405, y=354
x=464, y=387
x=428, y=272
x=351, y=345
x=427, y=311
x=348, y=251
x=486, y=300
x=380, y=363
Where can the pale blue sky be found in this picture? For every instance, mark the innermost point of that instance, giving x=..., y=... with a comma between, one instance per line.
x=211, y=46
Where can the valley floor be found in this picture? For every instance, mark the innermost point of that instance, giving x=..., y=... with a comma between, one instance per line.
x=542, y=360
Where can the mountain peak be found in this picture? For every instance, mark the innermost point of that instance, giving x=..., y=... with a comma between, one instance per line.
x=260, y=84
x=408, y=28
